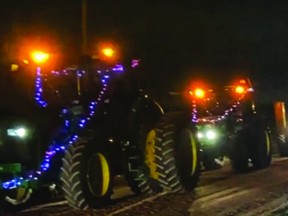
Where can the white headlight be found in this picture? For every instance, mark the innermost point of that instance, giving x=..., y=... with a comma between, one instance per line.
x=200, y=135
x=17, y=132
x=211, y=135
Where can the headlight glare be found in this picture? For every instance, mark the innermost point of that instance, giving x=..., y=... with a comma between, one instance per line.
x=211, y=135
x=200, y=135
x=20, y=132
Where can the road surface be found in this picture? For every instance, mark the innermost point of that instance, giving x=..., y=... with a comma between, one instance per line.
x=220, y=192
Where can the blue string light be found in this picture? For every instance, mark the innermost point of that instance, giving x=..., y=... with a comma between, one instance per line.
x=118, y=68
x=38, y=89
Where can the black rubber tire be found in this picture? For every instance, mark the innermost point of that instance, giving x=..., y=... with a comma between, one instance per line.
x=77, y=178
x=282, y=144
x=162, y=162
x=239, y=152
x=261, y=153
x=188, y=158
x=135, y=173
x=153, y=165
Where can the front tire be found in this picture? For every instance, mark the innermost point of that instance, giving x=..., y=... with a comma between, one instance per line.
x=239, y=152
x=86, y=175
x=188, y=159
x=136, y=173
x=261, y=147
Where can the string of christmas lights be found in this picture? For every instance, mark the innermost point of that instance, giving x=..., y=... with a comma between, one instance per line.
x=38, y=89
x=60, y=146
x=196, y=119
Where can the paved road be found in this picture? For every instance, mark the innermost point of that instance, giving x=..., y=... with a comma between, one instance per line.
x=220, y=192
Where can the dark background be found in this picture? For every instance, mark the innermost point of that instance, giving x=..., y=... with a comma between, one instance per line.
x=173, y=39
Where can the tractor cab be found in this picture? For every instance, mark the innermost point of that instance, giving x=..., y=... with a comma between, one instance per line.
x=215, y=98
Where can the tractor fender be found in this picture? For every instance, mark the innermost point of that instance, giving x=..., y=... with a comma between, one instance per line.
x=143, y=109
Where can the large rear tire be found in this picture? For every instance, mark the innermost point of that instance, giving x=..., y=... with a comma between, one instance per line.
x=152, y=162
x=136, y=173
x=86, y=175
x=261, y=154
x=239, y=152
x=252, y=143
x=166, y=158
x=160, y=156
x=188, y=158
x=173, y=156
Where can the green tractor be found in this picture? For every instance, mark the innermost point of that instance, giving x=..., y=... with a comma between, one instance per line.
x=228, y=124
x=79, y=127
x=130, y=134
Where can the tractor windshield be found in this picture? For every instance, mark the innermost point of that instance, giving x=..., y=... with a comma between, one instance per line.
x=71, y=84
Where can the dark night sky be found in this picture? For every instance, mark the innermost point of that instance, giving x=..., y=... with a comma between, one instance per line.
x=170, y=37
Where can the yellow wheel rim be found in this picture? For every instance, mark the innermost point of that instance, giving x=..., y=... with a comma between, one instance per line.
x=150, y=154
x=268, y=144
x=105, y=174
x=98, y=182
x=21, y=192
x=194, y=153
